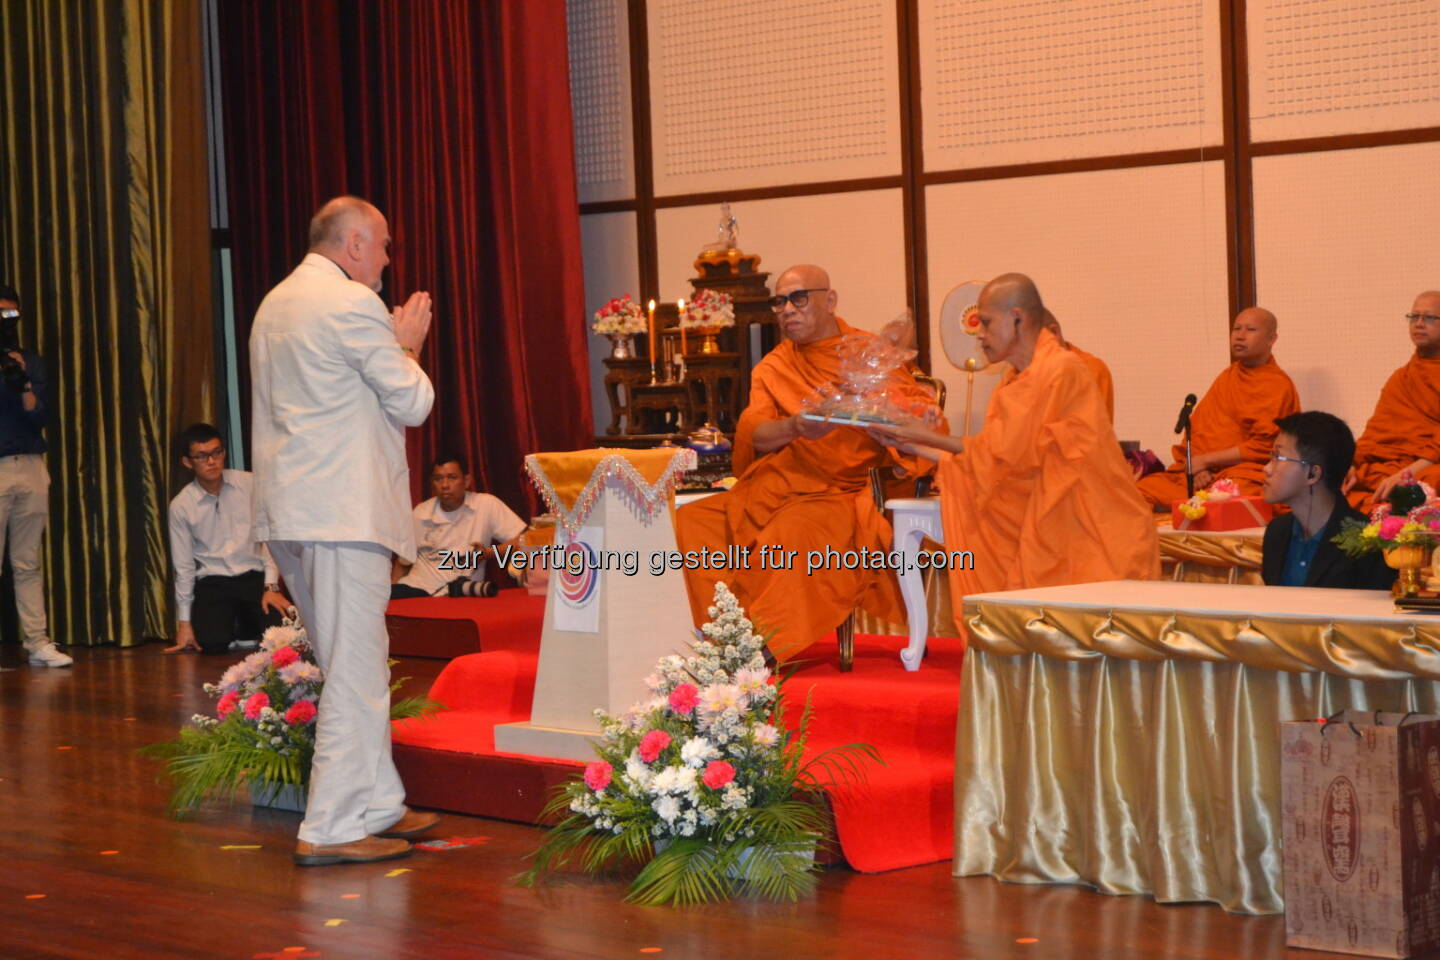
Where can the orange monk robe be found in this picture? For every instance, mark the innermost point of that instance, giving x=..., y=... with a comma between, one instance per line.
x=1101, y=373
x=807, y=495
x=1405, y=427
x=1042, y=495
x=1239, y=410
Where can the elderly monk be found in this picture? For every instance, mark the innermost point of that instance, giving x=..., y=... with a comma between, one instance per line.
x=1041, y=495
x=1404, y=431
x=1096, y=366
x=1232, y=431
x=804, y=486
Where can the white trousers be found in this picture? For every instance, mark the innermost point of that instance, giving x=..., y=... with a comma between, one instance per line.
x=24, y=510
x=342, y=590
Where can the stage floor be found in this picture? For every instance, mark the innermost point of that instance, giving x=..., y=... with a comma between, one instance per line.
x=93, y=868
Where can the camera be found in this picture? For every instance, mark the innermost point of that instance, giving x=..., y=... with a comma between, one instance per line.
x=11, y=372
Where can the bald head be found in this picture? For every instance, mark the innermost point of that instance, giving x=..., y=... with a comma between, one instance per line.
x=1011, y=317
x=815, y=320
x=352, y=233
x=1425, y=327
x=1252, y=336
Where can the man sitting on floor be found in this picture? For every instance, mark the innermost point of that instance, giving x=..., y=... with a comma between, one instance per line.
x=1404, y=431
x=1312, y=455
x=804, y=486
x=1042, y=495
x=454, y=531
x=226, y=586
x=1232, y=431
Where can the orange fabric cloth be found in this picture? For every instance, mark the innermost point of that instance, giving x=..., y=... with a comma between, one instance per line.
x=809, y=495
x=1042, y=495
x=1405, y=427
x=1101, y=373
x=1239, y=410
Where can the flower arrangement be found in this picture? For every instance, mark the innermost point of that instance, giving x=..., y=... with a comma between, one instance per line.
x=263, y=731
x=710, y=309
x=1409, y=517
x=1194, y=508
x=620, y=317
x=703, y=783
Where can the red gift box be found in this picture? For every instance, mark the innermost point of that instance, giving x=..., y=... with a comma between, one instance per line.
x=1236, y=513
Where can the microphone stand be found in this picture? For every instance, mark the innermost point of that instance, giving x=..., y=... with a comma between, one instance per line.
x=1189, y=467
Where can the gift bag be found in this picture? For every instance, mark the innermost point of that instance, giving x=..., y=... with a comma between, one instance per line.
x=1360, y=804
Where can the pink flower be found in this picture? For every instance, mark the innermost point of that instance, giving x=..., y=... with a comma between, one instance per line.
x=255, y=703
x=1390, y=527
x=597, y=775
x=684, y=698
x=284, y=657
x=301, y=711
x=227, y=703
x=717, y=774
x=652, y=743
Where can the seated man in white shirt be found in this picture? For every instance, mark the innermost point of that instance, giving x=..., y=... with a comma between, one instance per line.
x=454, y=531
x=226, y=586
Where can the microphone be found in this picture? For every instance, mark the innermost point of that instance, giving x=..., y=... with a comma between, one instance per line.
x=1184, y=420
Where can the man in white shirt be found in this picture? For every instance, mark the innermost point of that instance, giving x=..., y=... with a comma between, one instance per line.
x=454, y=531
x=226, y=587
x=335, y=382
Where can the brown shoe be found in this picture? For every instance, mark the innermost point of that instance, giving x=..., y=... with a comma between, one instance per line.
x=412, y=824
x=366, y=850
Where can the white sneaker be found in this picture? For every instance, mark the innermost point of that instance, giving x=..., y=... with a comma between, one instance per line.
x=48, y=656
x=244, y=644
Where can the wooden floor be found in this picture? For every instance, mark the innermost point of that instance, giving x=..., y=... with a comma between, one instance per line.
x=91, y=867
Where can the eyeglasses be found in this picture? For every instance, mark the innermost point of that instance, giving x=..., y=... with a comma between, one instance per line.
x=1429, y=318
x=798, y=298
x=1281, y=458
x=206, y=455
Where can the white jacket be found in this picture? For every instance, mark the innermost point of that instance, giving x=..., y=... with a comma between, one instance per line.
x=332, y=393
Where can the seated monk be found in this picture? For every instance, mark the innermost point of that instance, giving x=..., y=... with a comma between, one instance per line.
x=1232, y=430
x=1404, y=431
x=1042, y=495
x=803, y=486
x=1097, y=367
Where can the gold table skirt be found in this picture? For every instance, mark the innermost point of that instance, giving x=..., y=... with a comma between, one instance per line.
x=1138, y=750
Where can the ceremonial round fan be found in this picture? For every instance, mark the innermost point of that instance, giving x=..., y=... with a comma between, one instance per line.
x=959, y=329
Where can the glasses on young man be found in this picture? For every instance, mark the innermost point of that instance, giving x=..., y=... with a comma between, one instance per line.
x=205, y=456
x=797, y=298
x=1281, y=458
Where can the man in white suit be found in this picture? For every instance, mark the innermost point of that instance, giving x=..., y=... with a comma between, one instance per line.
x=335, y=382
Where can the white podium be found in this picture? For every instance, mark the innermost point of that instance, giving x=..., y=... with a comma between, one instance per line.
x=605, y=627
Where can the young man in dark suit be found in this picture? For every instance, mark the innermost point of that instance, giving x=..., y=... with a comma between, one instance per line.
x=1311, y=457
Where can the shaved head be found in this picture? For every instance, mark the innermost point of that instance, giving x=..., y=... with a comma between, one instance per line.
x=1252, y=336
x=1015, y=291
x=1011, y=316
x=1424, y=332
x=352, y=234
x=816, y=319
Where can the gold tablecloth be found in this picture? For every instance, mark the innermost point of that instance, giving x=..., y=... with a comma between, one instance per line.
x=1125, y=735
x=1231, y=556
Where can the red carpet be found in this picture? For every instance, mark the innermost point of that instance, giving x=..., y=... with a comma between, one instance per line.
x=901, y=816
x=446, y=627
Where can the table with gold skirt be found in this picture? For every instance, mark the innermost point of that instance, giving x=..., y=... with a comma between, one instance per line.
x=1125, y=734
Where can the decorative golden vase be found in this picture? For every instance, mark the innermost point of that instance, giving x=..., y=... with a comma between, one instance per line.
x=1409, y=559
x=707, y=337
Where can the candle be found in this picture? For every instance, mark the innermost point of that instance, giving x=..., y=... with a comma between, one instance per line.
x=652, y=337
x=681, y=305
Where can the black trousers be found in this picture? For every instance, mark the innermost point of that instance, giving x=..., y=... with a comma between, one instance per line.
x=228, y=608
x=403, y=591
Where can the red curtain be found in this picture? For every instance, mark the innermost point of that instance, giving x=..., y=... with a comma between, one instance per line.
x=452, y=116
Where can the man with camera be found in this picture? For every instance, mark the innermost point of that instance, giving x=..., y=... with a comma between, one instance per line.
x=24, y=481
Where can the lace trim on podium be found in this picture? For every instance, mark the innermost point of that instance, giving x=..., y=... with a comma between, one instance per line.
x=645, y=499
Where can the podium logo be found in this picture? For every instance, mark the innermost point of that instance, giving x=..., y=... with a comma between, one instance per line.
x=578, y=579
x=1340, y=829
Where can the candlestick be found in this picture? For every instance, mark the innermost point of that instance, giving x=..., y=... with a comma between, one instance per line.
x=681, y=305
x=652, y=342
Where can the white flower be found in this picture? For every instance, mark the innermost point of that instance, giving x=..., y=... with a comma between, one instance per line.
x=717, y=698
x=277, y=637
x=668, y=808
x=697, y=751
x=765, y=735
x=750, y=680
x=638, y=772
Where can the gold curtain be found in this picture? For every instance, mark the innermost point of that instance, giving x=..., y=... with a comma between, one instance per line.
x=104, y=229
x=1137, y=750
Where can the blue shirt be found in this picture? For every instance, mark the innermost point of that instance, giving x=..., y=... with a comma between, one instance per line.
x=20, y=428
x=1300, y=555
